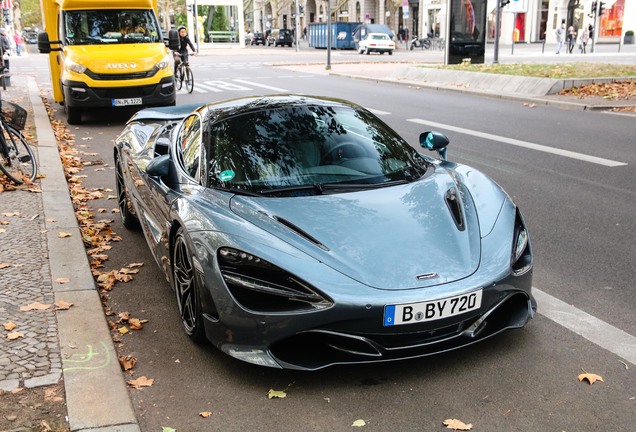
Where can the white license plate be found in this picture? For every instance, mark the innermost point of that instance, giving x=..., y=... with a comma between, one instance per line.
x=126, y=102
x=412, y=313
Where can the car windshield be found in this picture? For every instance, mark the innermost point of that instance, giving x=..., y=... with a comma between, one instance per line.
x=309, y=149
x=97, y=27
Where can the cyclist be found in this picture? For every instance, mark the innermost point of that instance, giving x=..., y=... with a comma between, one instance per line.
x=184, y=43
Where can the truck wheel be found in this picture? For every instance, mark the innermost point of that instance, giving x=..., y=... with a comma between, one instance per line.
x=73, y=115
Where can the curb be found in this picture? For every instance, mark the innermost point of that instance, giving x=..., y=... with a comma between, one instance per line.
x=96, y=394
x=515, y=97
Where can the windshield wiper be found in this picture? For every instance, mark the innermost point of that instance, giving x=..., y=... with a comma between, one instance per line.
x=316, y=187
x=360, y=186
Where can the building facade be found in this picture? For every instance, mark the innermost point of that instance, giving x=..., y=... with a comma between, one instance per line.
x=530, y=21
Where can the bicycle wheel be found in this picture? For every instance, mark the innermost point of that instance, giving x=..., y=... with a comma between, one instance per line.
x=178, y=77
x=19, y=164
x=189, y=79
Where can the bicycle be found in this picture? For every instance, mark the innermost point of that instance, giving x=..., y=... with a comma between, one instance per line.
x=182, y=72
x=17, y=160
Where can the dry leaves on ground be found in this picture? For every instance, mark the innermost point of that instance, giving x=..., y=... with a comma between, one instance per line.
x=141, y=382
x=590, y=377
x=34, y=306
x=612, y=91
x=457, y=425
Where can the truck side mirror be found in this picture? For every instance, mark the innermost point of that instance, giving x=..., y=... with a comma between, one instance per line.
x=173, y=40
x=44, y=46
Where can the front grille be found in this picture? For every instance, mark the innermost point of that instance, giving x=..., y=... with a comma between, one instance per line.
x=121, y=76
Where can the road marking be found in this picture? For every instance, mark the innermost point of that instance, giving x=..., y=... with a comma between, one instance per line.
x=378, y=112
x=591, y=328
x=525, y=144
x=262, y=86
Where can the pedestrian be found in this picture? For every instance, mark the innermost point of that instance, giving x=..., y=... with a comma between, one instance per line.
x=4, y=42
x=571, y=38
x=560, y=34
x=590, y=30
x=585, y=37
x=17, y=38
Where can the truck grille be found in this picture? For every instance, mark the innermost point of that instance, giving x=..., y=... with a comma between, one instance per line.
x=122, y=76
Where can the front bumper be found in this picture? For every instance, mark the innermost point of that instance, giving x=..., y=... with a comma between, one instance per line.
x=78, y=94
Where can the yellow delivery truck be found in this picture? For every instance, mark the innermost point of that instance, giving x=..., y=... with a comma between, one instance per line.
x=107, y=53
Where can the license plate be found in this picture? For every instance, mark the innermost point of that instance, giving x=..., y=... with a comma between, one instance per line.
x=126, y=102
x=412, y=313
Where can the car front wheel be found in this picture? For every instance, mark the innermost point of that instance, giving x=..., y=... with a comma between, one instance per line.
x=187, y=286
x=126, y=211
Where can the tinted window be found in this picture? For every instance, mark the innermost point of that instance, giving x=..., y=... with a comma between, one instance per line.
x=190, y=145
x=96, y=27
x=308, y=145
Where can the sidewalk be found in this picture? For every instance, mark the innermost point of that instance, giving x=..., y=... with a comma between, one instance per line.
x=72, y=346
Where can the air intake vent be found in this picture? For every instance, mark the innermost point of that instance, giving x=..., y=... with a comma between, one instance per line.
x=300, y=232
x=453, y=203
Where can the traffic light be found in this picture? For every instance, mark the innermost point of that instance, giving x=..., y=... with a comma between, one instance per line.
x=504, y=3
x=593, y=7
x=601, y=8
x=5, y=15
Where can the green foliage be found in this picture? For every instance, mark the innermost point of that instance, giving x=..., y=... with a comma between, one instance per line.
x=219, y=20
x=31, y=14
x=559, y=70
x=629, y=33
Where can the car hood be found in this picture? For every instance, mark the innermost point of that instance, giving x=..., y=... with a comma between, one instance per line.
x=396, y=237
x=117, y=58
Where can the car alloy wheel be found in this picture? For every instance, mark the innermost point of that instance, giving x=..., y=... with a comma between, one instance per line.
x=187, y=288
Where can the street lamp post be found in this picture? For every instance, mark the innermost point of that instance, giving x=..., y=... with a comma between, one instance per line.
x=328, y=35
x=297, y=24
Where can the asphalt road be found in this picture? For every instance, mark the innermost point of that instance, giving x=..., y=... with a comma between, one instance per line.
x=580, y=214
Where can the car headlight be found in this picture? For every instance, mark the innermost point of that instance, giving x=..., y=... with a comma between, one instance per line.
x=164, y=63
x=263, y=287
x=521, y=252
x=74, y=67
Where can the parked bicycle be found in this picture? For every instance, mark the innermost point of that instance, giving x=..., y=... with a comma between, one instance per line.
x=429, y=42
x=17, y=160
x=183, y=73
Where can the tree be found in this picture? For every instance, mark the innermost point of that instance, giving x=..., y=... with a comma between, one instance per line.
x=27, y=14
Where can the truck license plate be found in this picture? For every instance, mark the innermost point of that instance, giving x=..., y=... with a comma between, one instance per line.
x=126, y=102
x=412, y=313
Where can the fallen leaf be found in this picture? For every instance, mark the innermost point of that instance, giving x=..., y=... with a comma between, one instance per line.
x=123, y=330
x=359, y=423
x=457, y=424
x=590, y=378
x=14, y=335
x=127, y=362
x=64, y=235
x=276, y=394
x=62, y=305
x=8, y=326
x=167, y=429
x=205, y=414
x=11, y=214
x=34, y=306
x=135, y=324
x=62, y=280
x=141, y=382
x=5, y=265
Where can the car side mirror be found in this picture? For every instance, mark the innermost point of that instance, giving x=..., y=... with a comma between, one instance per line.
x=173, y=39
x=159, y=166
x=435, y=141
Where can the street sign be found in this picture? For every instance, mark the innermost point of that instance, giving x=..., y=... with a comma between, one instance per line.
x=516, y=6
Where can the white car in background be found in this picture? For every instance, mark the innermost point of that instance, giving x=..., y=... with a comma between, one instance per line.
x=378, y=42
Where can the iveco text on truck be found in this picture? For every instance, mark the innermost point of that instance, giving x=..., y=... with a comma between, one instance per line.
x=107, y=54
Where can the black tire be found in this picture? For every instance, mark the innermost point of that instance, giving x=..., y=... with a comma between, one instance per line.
x=187, y=287
x=126, y=209
x=189, y=79
x=20, y=164
x=73, y=115
x=426, y=44
x=367, y=51
x=412, y=46
x=178, y=78
x=391, y=52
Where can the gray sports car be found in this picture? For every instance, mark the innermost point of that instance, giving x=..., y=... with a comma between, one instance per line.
x=301, y=232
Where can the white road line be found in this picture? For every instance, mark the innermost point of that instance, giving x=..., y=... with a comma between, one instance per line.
x=525, y=144
x=262, y=86
x=378, y=112
x=591, y=328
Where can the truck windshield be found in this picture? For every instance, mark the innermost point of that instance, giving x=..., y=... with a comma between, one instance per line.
x=97, y=27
